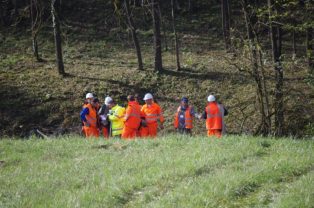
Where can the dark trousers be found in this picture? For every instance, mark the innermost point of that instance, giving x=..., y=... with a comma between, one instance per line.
x=185, y=131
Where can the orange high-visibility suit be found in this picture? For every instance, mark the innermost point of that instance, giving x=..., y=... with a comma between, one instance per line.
x=132, y=120
x=152, y=113
x=214, y=119
x=90, y=127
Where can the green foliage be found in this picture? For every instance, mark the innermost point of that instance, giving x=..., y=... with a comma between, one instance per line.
x=169, y=171
x=309, y=129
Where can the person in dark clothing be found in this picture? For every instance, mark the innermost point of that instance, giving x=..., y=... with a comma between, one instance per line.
x=183, y=119
x=104, y=121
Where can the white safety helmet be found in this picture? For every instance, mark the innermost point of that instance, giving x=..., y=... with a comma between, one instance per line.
x=108, y=100
x=211, y=98
x=89, y=95
x=148, y=96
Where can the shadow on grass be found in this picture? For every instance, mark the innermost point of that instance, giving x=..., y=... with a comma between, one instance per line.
x=22, y=112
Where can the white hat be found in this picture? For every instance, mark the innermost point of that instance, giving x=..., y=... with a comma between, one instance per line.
x=211, y=98
x=89, y=95
x=148, y=96
x=108, y=100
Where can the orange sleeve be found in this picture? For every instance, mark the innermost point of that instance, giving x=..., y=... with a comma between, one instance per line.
x=161, y=116
x=143, y=111
x=127, y=113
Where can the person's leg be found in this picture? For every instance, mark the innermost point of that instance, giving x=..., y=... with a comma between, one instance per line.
x=143, y=131
x=86, y=131
x=217, y=133
x=128, y=133
x=94, y=132
x=188, y=132
x=91, y=132
x=105, y=132
x=210, y=133
x=152, y=129
x=180, y=131
x=214, y=132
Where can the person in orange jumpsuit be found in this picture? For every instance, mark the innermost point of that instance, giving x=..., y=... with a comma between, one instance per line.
x=132, y=119
x=214, y=114
x=89, y=119
x=152, y=113
x=88, y=99
x=143, y=122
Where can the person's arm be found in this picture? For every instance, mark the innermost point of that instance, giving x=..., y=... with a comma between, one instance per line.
x=225, y=111
x=161, y=116
x=127, y=113
x=103, y=110
x=118, y=114
x=204, y=115
x=192, y=111
x=83, y=114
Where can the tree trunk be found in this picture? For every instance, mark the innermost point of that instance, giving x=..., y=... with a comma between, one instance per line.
x=226, y=23
x=175, y=36
x=16, y=7
x=275, y=36
x=157, y=36
x=57, y=37
x=35, y=18
x=177, y=5
x=164, y=30
x=165, y=35
x=309, y=50
x=250, y=20
x=134, y=35
x=191, y=7
x=294, y=45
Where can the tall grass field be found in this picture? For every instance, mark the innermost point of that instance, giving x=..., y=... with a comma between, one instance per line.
x=172, y=171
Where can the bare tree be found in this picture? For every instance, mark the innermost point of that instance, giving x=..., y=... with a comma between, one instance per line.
x=257, y=71
x=157, y=35
x=309, y=49
x=275, y=36
x=132, y=27
x=36, y=21
x=294, y=44
x=309, y=37
x=175, y=35
x=226, y=23
x=57, y=36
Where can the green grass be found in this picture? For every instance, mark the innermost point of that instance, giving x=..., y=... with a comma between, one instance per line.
x=173, y=171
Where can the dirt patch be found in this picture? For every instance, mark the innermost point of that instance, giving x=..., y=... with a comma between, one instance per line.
x=118, y=146
x=103, y=146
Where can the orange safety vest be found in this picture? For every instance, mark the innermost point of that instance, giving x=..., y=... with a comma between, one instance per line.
x=92, y=116
x=214, y=116
x=187, y=116
x=133, y=115
x=152, y=113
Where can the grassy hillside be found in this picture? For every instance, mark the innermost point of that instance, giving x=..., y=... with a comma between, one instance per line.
x=34, y=96
x=99, y=57
x=171, y=171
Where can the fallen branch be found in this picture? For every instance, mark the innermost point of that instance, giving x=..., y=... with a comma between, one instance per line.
x=42, y=134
